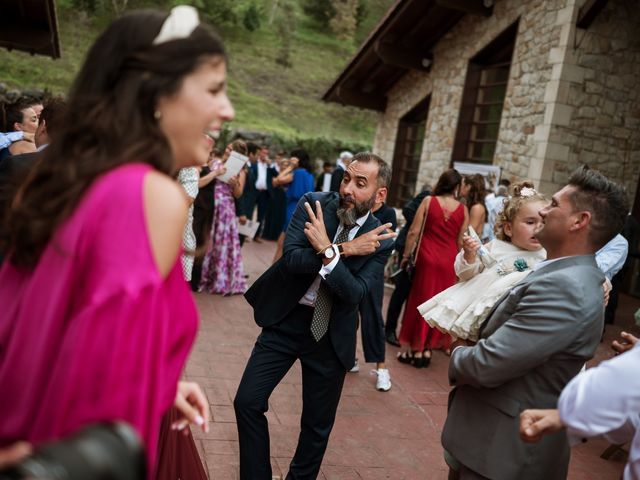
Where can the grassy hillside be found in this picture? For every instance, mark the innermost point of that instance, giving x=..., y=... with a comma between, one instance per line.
x=267, y=97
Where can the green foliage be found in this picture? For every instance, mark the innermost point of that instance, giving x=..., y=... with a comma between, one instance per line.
x=317, y=147
x=89, y=6
x=369, y=14
x=321, y=11
x=216, y=12
x=343, y=23
x=266, y=96
x=251, y=19
x=286, y=25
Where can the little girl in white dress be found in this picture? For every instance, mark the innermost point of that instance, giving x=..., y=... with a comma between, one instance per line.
x=461, y=309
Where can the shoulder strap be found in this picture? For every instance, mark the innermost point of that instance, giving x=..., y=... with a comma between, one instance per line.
x=414, y=251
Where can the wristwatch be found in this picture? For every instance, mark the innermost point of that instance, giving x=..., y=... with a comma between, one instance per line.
x=330, y=252
x=341, y=250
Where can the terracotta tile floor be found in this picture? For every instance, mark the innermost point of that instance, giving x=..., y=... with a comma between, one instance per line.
x=392, y=435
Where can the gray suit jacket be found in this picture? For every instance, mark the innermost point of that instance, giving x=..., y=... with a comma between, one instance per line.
x=534, y=341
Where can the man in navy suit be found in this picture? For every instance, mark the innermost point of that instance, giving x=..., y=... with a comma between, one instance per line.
x=307, y=304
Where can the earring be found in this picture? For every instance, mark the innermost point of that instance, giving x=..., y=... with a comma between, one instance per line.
x=157, y=114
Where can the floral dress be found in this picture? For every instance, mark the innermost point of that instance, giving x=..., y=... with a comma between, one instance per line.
x=222, y=270
x=462, y=308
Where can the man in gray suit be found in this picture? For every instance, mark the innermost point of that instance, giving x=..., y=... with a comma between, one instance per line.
x=538, y=337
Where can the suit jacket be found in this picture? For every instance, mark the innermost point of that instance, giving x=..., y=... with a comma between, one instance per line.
x=246, y=203
x=336, y=178
x=536, y=339
x=13, y=171
x=281, y=287
x=409, y=212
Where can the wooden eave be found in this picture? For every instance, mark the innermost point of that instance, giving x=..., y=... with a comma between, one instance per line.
x=30, y=26
x=402, y=41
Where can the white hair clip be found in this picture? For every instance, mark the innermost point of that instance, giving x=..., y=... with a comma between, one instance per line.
x=180, y=23
x=527, y=192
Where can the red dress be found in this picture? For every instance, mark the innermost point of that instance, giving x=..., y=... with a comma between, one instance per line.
x=433, y=273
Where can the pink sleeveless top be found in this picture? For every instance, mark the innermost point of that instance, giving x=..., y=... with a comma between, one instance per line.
x=94, y=332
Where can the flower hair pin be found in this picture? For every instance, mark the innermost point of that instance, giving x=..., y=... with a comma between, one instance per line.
x=527, y=192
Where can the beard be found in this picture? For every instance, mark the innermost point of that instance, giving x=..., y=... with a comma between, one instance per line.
x=348, y=216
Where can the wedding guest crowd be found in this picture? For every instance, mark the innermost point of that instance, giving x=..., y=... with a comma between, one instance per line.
x=116, y=198
x=92, y=287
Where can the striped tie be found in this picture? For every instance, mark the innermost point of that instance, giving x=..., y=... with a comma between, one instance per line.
x=322, y=310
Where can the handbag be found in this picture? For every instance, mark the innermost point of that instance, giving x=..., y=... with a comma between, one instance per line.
x=413, y=258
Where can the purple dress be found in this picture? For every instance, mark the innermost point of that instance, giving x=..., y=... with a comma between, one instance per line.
x=222, y=267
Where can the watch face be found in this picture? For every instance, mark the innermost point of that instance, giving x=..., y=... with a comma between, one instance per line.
x=329, y=253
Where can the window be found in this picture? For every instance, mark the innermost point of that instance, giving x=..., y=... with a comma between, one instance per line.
x=406, y=157
x=483, y=100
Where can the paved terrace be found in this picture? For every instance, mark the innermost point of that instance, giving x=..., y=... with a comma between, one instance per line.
x=392, y=435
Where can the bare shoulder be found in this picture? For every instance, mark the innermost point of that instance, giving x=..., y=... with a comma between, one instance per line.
x=477, y=209
x=165, y=210
x=21, y=146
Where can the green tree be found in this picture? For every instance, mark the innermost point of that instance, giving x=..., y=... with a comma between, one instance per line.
x=251, y=19
x=322, y=11
x=216, y=12
x=344, y=22
x=286, y=25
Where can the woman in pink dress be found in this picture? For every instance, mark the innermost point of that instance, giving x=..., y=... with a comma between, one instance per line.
x=445, y=223
x=97, y=320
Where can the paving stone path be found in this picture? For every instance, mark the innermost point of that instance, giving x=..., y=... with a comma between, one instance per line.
x=377, y=435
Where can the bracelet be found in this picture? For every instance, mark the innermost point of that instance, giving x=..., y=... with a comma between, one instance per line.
x=321, y=251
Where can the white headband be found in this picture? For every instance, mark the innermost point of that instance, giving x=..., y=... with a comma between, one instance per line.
x=180, y=23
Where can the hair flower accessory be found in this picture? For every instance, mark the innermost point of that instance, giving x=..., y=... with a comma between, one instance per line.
x=527, y=192
x=180, y=23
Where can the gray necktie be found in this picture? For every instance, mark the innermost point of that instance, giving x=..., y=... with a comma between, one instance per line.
x=324, y=300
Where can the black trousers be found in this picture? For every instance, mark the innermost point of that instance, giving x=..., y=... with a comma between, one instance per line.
x=372, y=325
x=398, y=297
x=202, y=223
x=263, y=204
x=275, y=351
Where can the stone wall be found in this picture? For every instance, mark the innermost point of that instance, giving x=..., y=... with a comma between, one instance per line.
x=540, y=29
x=598, y=100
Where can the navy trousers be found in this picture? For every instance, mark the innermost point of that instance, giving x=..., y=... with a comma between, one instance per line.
x=275, y=351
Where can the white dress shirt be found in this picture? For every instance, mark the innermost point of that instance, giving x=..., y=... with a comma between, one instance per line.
x=326, y=182
x=309, y=298
x=261, y=181
x=605, y=400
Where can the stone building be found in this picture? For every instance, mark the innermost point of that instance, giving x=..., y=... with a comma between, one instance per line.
x=536, y=87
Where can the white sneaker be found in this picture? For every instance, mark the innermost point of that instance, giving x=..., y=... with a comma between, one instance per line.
x=383, y=384
x=355, y=368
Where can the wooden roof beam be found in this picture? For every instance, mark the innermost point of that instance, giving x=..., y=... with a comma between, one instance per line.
x=355, y=98
x=588, y=12
x=403, y=57
x=476, y=7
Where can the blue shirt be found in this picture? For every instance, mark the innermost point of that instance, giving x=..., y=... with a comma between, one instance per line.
x=7, y=139
x=612, y=256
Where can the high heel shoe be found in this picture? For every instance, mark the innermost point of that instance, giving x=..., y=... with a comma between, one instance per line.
x=405, y=357
x=421, y=362
x=425, y=360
